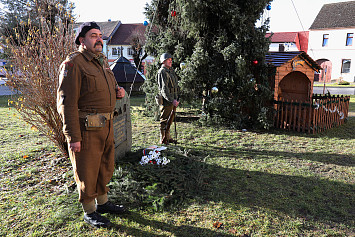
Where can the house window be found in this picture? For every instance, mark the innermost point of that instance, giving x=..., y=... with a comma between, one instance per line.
x=114, y=51
x=281, y=48
x=325, y=40
x=345, y=66
x=130, y=51
x=349, y=39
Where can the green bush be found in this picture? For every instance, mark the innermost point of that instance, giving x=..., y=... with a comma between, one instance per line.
x=344, y=83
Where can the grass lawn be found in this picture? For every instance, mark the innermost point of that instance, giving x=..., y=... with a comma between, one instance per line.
x=319, y=84
x=253, y=183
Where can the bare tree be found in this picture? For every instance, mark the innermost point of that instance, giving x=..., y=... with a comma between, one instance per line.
x=137, y=43
x=36, y=52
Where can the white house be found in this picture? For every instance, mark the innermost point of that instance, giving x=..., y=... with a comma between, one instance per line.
x=117, y=39
x=331, y=41
x=288, y=41
x=121, y=42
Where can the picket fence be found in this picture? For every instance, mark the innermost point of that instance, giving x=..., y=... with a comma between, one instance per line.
x=320, y=114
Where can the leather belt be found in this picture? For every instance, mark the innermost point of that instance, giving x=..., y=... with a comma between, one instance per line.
x=108, y=116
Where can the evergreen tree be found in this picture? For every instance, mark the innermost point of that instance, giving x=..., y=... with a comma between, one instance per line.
x=224, y=53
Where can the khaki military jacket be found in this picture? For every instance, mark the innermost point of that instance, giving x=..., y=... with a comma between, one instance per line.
x=84, y=85
x=168, y=85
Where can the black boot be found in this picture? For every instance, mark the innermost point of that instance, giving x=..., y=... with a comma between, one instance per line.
x=96, y=220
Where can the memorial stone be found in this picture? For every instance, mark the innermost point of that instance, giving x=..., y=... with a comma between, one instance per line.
x=122, y=128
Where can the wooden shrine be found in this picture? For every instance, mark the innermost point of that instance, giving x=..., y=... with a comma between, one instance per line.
x=296, y=108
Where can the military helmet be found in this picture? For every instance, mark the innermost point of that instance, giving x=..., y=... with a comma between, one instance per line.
x=164, y=57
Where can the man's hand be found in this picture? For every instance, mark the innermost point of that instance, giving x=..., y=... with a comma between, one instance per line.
x=120, y=92
x=176, y=103
x=75, y=146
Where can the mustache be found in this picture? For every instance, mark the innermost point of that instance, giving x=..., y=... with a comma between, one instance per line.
x=98, y=43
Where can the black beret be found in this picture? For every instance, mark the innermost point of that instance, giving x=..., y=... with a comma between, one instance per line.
x=84, y=28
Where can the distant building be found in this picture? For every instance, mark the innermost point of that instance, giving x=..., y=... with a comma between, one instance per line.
x=121, y=42
x=117, y=39
x=288, y=41
x=331, y=41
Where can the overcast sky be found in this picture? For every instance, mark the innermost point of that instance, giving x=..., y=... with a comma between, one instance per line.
x=282, y=14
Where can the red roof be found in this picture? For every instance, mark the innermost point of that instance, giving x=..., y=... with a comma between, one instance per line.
x=125, y=32
x=280, y=37
x=299, y=38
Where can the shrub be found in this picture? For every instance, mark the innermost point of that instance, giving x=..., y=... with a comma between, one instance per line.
x=344, y=83
x=35, y=54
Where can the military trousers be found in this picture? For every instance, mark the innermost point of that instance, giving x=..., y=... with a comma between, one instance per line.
x=93, y=166
x=165, y=112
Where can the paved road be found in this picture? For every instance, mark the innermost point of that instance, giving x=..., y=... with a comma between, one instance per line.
x=4, y=90
x=335, y=90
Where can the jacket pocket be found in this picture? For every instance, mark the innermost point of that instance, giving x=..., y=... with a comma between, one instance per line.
x=111, y=78
x=93, y=82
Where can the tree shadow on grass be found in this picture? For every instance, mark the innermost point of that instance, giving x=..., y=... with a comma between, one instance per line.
x=176, y=230
x=327, y=158
x=310, y=198
x=299, y=196
x=303, y=197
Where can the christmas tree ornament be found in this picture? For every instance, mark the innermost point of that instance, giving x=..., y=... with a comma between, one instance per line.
x=268, y=7
x=173, y=13
x=255, y=62
x=145, y=23
x=182, y=65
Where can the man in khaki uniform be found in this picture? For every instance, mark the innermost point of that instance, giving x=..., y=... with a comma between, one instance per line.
x=169, y=89
x=86, y=100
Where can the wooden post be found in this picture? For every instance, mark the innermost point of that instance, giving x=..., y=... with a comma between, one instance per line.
x=321, y=115
x=315, y=112
x=286, y=115
x=309, y=116
x=331, y=115
x=299, y=117
x=291, y=112
x=304, y=107
x=282, y=114
x=278, y=114
x=295, y=116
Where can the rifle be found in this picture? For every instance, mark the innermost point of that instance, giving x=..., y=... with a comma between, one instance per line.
x=175, y=129
x=168, y=124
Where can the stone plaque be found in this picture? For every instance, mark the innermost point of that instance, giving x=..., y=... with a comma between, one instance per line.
x=122, y=128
